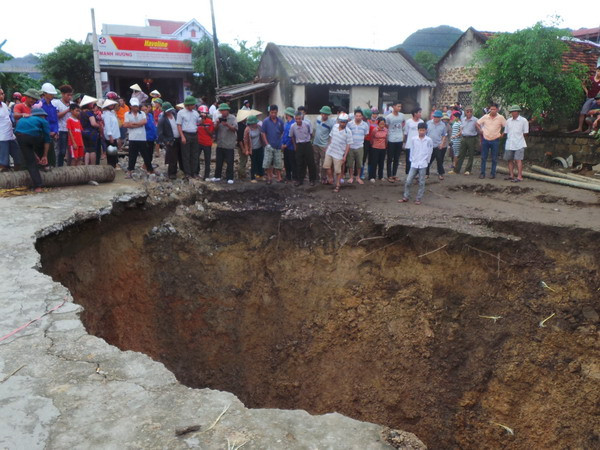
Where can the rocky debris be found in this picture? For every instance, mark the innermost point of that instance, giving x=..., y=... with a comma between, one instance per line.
x=402, y=440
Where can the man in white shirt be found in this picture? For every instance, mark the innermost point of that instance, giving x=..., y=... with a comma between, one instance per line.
x=421, y=149
x=62, y=106
x=8, y=141
x=135, y=123
x=111, y=129
x=337, y=150
x=187, y=125
x=410, y=131
x=517, y=127
x=360, y=129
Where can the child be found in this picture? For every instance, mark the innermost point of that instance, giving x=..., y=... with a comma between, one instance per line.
x=377, y=153
x=421, y=148
x=75, y=138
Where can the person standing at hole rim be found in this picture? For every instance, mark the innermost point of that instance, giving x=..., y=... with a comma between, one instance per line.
x=395, y=124
x=323, y=127
x=410, y=132
x=206, y=130
x=187, y=125
x=359, y=129
x=337, y=151
x=273, y=128
x=517, y=127
x=226, y=134
x=168, y=134
x=287, y=145
x=421, y=149
x=490, y=126
x=135, y=122
x=300, y=132
x=438, y=132
x=254, y=142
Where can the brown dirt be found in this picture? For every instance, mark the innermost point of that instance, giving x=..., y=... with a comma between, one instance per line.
x=290, y=307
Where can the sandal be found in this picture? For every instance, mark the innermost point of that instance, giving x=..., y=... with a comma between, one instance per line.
x=269, y=181
x=403, y=200
x=417, y=202
x=508, y=178
x=517, y=180
x=336, y=189
x=441, y=177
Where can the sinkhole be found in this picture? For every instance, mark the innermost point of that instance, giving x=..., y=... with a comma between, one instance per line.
x=422, y=329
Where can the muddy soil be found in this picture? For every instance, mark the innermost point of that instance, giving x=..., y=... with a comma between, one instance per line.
x=423, y=328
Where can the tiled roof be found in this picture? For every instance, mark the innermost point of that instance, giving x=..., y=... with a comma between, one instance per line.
x=166, y=26
x=584, y=32
x=345, y=66
x=584, y=52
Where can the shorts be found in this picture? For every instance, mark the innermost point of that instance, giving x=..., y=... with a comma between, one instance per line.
x=587, y=106
x=273, y=157
x=331, y=161
x=123, y=132
x=90, y=142
x=514, y=155
x=75, y=152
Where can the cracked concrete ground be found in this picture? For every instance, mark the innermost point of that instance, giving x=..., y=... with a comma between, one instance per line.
x=62, y=388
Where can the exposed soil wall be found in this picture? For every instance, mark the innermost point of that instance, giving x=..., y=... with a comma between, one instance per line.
x=291, y=313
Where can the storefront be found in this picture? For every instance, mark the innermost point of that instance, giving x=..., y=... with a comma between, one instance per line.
x=153, y=63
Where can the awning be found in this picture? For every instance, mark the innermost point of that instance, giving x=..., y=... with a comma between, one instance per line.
x=236, y=91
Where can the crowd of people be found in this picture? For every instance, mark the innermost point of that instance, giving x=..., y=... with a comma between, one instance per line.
x=50, y=127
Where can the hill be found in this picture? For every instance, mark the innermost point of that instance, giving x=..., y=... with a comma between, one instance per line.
x=436, y=40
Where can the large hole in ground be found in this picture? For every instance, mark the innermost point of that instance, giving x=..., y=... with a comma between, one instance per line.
x=298, y=314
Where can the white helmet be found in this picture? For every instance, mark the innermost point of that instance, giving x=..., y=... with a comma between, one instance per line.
x=48, y=88
x=112, y=150
x=343, y=117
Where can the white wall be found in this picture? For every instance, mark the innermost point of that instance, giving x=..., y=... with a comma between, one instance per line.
x=424, y=100
x=275, y=97
x=364, y=96
x=298, y=97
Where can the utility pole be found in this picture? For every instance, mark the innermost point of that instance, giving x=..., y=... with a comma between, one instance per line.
x=215, y=43
x=96, y=58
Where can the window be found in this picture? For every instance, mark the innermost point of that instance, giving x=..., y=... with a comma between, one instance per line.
x=464, y=98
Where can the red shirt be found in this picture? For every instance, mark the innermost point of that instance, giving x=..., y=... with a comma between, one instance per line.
x=372, y=125
x=74, y=126
x=379, y=138
x=205, y=132
x=592, y=90
x=21, y=108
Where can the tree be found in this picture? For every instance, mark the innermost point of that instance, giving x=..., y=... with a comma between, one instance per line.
x=526, y=68
x=237, y=66
x=427, y=60
x=71, y=63
x=15, y=82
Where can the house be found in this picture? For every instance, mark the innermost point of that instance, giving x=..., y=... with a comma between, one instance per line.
x=155, y=56
x=455, y=75
x=191, y=30
x=341, y=77
x=588, y=34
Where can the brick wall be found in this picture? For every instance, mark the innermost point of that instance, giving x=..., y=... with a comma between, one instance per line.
x=452, y=81
x=584, y=148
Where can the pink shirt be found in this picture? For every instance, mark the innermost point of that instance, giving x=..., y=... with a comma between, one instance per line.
x=491, y=126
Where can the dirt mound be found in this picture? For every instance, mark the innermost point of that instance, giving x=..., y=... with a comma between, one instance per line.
x=425, y=330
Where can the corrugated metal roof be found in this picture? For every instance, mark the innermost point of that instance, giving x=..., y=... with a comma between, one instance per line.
x=241, y=90
x=351, y=67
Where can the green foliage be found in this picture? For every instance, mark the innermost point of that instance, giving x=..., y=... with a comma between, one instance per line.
x=427, y=60
x=526, y=68
x=71, y=63
x=15, y=82
x=236, y=66
x=436, y=40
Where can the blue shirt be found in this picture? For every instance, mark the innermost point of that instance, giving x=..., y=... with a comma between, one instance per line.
x=150, y=128
x=287, y=140
x=273, y=131
x=34, y=126
x=52, y=116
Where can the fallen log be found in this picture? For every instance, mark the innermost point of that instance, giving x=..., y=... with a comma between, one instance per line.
x=567, y=176
x=556, y=180
x=59, y=176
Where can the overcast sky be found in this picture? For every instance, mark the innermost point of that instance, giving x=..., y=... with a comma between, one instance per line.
x=368, y=24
